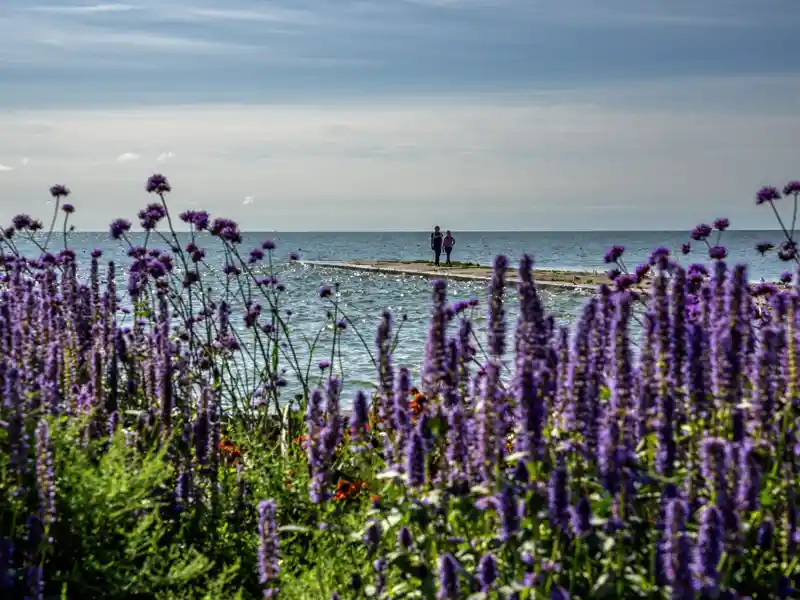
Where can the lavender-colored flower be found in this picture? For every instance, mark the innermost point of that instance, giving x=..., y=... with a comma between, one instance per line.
x=325, y=291
x=718, y=252
x=119, y=227
x=150, y=216
x=767, y=194
x=786, y=277
x=448, y=578
x=227, y=230
x=558, y=593
x=59, y=191
x=792, y=188
x=157, y=184
x=45, y=477
x=415, y=464
x=372, y=535
x=404, y=539
x=701, y=232
x=558, y=497
x=614, y=254
x=581, y=517
x=383, y=341
x=380, y=566
x=749, y=482
x=68, y=209
x=766, y=534
x=660, y=257
x=508, y=509
x=487, y=572
x=268, y=567
x=709, y=549
x=722, y=224
x=359, y=417
x=686, y=248
x=497, y=315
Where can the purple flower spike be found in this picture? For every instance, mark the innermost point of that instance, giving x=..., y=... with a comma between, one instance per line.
x=487, y=570
x=686, y=248
x=68, y=209
x=722, y=224
x=792, y=188
x=158, y=184
x=268, y=568
x=268, y=244
x=59, y=191
x=44, y=473
x=786, y=277
x=448, y=577
x=767, y=194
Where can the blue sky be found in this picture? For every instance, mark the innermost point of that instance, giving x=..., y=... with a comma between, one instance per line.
x=393, y=114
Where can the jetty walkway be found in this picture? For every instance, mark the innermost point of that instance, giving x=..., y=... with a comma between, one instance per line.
x=571, y=280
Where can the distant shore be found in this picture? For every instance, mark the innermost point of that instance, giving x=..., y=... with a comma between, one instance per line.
x=556, y=278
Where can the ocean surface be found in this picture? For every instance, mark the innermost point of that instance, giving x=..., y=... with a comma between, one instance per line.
x=363, y=295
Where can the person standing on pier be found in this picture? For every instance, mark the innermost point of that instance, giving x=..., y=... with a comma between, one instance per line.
x=449, y=242
x=436, y=244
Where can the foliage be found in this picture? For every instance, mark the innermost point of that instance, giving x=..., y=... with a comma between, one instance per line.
x=138, y=461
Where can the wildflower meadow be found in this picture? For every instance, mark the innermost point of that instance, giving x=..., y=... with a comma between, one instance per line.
x=151, y=447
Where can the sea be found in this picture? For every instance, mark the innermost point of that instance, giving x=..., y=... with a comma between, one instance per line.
x=363, y=295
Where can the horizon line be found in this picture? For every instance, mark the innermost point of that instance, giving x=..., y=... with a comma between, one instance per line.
x=686, y=231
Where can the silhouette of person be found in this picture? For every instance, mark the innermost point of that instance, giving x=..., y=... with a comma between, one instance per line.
x=436, y=244
x=449, y=242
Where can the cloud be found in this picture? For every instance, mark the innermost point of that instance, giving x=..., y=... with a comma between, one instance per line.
x=85, y=9
x=25, y=160
x=165, y=156
x=248, y=199
x=4, y=168
x=127, y=157
x=507, y=161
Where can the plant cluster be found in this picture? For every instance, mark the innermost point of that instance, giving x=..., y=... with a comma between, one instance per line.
x=136, y=461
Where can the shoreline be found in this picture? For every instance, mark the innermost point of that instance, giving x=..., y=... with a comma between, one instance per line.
x=553, y=278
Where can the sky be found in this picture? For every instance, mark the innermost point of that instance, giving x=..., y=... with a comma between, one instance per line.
x=308, y=115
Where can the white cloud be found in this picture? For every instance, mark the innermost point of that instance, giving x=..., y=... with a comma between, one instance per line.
x=248, y=199
x=24, y=161
x=4, y=168
x=260, y=15
x=515, y=162
x=165, y=156
x=127, y=157
x=85, y=8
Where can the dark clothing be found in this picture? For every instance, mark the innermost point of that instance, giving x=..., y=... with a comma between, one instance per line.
x=447, y=252
x=436, y=246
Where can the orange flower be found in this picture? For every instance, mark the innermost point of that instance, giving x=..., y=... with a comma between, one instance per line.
x=302, y=441
x=417, y=406
x=347, y=490
x=230, y=453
